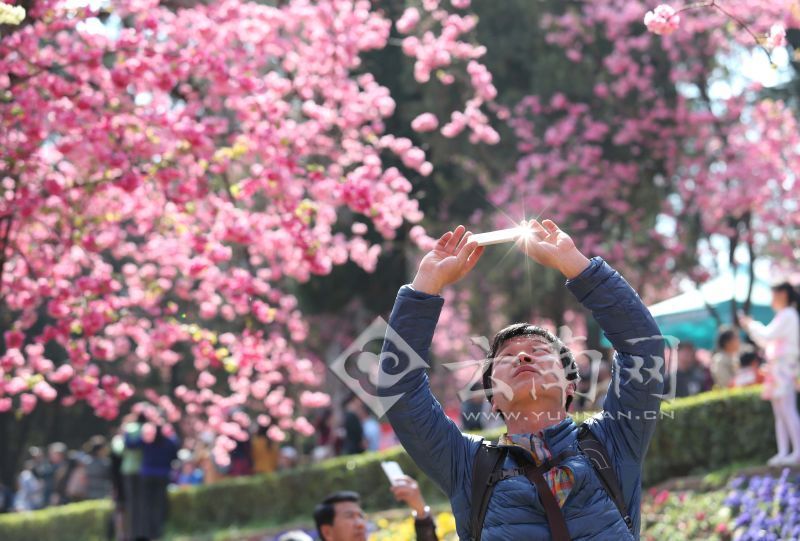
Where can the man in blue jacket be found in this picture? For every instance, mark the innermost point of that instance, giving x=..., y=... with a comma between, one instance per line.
x=530, y=378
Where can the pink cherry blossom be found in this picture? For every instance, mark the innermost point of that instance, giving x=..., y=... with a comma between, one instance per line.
x=408, y=20
x=27, y=402
x=310, y=399
x=138, y=163
x=359, y=228
x=302, y=426
x=413, y=158
x=44, y=391
x=663, y=20
x=16, y=385
x=62, y=374
x=425, y=122
x=564, y=139
x=776, y=36
x=14, y=339
x=206, y=379
x=276, y=434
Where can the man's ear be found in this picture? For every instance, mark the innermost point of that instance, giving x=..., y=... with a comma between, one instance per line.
x=496, y=409
x=327, y=532
x=572, y=388
x=569, y=393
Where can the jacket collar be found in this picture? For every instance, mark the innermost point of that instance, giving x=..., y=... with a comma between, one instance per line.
x=557, y=437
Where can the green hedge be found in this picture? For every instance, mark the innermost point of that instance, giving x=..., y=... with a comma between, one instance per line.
x=694, y=434
x=709, y=431
x=85, y=521
x=290, y=494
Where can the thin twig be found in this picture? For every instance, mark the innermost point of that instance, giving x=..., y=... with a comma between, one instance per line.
x=745, y=27
x=737, y=20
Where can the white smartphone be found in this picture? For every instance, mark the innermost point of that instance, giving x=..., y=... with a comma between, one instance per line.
x=392, y=471
x=498, y=237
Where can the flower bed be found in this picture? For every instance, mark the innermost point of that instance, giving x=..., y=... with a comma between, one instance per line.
x=764, y=506
x=401, y=530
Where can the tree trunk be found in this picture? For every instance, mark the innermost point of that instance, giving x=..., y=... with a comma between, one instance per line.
x=6, y=468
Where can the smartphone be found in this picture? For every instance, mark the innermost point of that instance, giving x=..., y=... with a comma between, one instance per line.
x=498, y=237
x=392, y=471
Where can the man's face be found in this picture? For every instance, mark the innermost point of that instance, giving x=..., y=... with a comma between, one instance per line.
x=526, y=369
x=349, y=523
x=734, y=344
x=686, y=358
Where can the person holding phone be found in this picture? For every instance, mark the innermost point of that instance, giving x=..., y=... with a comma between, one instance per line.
x=339, y=517
x=781, y=342
x=545, y=484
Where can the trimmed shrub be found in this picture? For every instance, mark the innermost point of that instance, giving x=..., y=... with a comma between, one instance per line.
x=700, y=433
x=291, y=494
x=84, y=521
x=709, y=431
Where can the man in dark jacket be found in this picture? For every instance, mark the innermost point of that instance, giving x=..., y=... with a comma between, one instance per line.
x=530, y=377
x=339, y=516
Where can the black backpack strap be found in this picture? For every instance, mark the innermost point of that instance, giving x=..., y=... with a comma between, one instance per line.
x=555, y=517
x=596, y=452
x=486, y=472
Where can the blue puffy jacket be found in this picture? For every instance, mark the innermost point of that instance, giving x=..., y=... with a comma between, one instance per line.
x=625, y=426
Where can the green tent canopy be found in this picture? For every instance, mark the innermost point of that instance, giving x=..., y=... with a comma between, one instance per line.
x=687, y=317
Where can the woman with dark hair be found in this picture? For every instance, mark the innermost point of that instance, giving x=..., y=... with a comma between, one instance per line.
x=781, y=342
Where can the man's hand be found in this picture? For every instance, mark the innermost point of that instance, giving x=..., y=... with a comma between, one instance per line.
x=744, y=319
x=406, y=490
x=548, y=245
x=449, y=261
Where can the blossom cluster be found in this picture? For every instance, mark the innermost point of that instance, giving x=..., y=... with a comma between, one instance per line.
x=635, y=153
x=166, y=178
x=665, y=20
x=437, y=41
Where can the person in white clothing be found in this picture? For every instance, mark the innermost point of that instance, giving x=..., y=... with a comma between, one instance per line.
x=781, y=342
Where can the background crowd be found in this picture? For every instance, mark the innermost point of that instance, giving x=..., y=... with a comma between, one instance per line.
x=113, y=465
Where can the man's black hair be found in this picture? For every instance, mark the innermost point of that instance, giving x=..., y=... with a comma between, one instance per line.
x=749, y=357
x=725, y=335
x=324, y=512
x=526, y=329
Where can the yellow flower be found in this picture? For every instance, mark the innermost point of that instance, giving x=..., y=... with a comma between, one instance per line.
x=445, y=523
x=11, y=14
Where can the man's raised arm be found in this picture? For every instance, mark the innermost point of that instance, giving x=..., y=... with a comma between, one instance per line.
x=632, y=404
x=633, y=401
x=432, y=440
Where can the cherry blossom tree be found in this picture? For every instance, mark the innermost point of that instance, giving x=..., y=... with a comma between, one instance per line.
x=654, y=162
x=169, y=176
x=647, y=145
